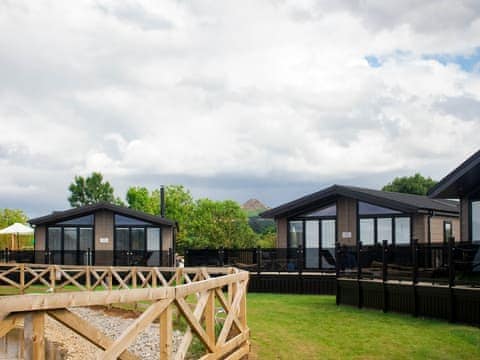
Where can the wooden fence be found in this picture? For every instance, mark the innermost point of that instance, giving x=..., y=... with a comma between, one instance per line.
x=193, y=292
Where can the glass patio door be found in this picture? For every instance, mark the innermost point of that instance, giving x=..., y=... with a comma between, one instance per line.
x=312, y=244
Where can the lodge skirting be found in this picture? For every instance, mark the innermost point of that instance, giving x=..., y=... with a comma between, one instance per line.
x=292, y=283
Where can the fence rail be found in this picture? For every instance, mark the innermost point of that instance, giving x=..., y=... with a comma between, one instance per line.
x=193, y=292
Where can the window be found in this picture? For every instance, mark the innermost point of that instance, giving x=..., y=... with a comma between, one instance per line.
x=153, y=239
x=70, y=239
x=122, y=239
x=54, y=238
x=138, y=239
x=128, y=221
x=86, y=239
x=367, y=231
x=330, y=210
x=447, y=230
x=384, y=230
x=402, y=230
x=83, y=220
x=295, y=234
x=312, y=243
x=328, y=234
x=475, y=221
x=370, y=209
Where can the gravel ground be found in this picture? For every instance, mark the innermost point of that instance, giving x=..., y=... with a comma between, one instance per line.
x=146, y=345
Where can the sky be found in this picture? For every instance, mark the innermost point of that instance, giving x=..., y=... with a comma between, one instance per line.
x=233, y=99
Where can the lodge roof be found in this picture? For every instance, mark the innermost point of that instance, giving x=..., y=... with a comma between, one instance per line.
x=57, y=216
x=461, y=181
x=407, y=203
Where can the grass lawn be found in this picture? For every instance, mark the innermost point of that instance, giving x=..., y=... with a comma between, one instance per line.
x=313, y=327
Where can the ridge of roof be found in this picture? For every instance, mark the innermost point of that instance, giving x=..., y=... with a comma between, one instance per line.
x=102, y=205
x=397, y=201
x=455, y=174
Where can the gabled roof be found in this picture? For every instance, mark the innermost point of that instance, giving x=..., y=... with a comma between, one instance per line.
x=57, y=216
x=460, y=181
x=397, y=201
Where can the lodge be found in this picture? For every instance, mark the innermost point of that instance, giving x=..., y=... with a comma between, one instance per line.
x=104, y=234
x=347, y=215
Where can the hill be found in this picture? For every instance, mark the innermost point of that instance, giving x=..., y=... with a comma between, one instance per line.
x=254, y=207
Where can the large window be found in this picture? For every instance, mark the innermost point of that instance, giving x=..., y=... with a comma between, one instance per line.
x=475, y=221
x=68, y=241
x=377, y=224
x=135, y=235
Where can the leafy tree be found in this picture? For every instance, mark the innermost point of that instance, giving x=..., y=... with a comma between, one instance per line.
x=267, y=239
x=220, y=224
x=90, y=190
x=202, y=223
x=12, y=216
x=139, y=198
x=179, y=206
x=416, y=184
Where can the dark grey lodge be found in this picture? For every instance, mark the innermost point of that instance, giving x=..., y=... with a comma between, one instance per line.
x=348, y=214
x=104, y=234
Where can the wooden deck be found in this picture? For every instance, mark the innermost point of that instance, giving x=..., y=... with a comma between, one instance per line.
x=194, y=292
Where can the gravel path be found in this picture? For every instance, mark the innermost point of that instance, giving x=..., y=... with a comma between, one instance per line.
x=146, y=345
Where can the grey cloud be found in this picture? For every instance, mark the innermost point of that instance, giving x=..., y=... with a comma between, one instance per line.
x=462, y=107
x=134, y=13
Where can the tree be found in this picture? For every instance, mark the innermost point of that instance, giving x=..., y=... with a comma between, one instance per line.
x=179, y=206
x=91, y=190
x=220, y=224
x=416, y=184
x=12, y=216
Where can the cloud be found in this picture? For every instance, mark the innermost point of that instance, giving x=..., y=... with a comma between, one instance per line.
x=250, y=99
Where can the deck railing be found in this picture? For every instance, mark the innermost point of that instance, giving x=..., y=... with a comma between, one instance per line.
x=194, y=294
x=452, y=263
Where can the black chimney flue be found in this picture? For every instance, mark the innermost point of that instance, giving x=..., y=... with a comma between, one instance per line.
x=162, y=201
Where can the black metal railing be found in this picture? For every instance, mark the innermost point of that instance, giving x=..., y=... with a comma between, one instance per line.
x=89, y=257
x=449, y=264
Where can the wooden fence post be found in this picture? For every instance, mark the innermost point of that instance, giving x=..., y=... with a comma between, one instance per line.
x=359, y=274
x=385, y=274
x=451, y=279
x=166, y=332
x=22, y=279
x=415, y=276
x=52, y=277
x=210, y=315
x=34, y=335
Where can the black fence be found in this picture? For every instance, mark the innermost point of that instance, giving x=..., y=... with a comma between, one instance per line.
x=451, y=264
x=438, y=280
x=90, y=257
x=262, y=260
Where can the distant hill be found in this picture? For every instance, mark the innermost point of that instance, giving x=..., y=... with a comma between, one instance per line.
x=254, y=206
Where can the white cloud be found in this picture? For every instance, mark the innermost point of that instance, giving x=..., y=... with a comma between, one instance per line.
x=276, y=91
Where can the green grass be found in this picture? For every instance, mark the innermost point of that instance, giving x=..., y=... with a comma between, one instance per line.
x=313, y=327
